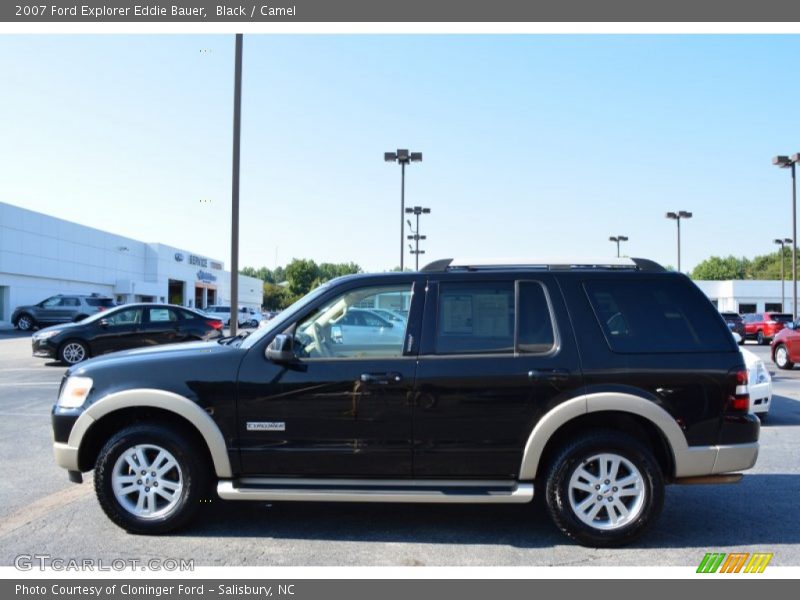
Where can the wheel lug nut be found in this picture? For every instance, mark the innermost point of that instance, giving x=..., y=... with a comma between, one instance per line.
x=144, y=472
x=147, y=489
x=138, y=482
x=613, y=489
x=153, y=474
x=599, y=497
x=610, y=498
x=597, y=487
x=607, y=482
x=155, y=484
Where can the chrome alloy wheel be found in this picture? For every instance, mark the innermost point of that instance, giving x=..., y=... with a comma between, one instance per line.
x=782, y=357
x=25, y=323
x=147, y=481
x=74, y=353
x=606, y=491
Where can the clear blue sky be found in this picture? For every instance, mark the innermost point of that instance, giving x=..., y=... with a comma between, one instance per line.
x=533, y=145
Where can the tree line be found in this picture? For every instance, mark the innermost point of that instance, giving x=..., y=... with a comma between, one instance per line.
x=766, y=266
x=283, y=285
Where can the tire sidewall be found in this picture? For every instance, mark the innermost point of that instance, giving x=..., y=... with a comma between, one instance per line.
x=175, y=442
x=557, y=489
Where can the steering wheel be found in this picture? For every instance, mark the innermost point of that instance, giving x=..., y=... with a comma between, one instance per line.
x=317, y=335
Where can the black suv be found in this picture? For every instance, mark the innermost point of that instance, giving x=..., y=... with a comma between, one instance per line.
x=594, y=384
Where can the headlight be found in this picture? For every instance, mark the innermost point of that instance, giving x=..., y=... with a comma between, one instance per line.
x=74, y=392
x=46, y=334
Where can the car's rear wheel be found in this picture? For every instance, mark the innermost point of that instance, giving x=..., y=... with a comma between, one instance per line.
x=782, y=357
x=760, y=338
x=25, y=322
x=604, y=489
x=72, y=352
x=150, y=478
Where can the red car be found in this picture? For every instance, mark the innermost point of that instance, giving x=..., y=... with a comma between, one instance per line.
x=785, y=347
x=762, y=327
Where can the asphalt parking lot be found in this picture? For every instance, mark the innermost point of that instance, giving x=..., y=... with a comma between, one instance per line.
x=42, y=513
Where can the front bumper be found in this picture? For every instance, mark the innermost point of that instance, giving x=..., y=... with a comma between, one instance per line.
x=44, y=348
x=760, y=397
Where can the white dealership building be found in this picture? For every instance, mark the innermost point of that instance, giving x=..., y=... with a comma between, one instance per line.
x=41, y=256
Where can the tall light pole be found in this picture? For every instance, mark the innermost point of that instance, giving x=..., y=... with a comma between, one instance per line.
x=618, y=239
x=237, y=125
x=677, y=216
x=784, y=162
x=403, y=157
x=417, y=210
x=782, y=244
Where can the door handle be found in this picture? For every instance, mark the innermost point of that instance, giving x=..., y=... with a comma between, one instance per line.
x=381, y=378
x=549, y=374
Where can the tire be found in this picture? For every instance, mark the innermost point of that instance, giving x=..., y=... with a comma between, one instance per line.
x=760, y=339
x=253, y=323
x=187, y=481
x=25, y=322
x=72, y=352
x=782, y=357
x=564, y=493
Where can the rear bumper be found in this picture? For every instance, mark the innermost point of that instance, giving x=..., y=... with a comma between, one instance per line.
x=711, y=460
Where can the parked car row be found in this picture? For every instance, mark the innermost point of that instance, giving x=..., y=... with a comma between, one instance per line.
x=62, y=308
x=761, y=327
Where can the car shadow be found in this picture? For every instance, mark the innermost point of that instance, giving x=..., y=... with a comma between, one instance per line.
x=694, y=516
x=783, y=412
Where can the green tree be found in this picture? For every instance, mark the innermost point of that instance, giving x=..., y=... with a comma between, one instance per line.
x=301, y=274
x=716, y=268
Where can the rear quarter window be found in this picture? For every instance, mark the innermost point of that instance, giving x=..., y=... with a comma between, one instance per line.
x=645, y=316
x=106, y=302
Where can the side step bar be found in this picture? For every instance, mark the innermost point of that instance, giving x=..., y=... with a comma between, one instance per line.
x=369, y=490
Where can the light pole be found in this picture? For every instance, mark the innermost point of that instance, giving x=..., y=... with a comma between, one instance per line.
x=618, y=239
x=784, y=162
x=782, y=244
x=237, y=127
x=417, y=210
x=403, y=157
x=677, y=216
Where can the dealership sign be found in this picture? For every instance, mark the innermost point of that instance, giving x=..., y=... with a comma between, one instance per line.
x=206, y=276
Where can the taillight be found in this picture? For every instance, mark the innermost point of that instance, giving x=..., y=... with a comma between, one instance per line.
x=215, y=324
x=739, y=395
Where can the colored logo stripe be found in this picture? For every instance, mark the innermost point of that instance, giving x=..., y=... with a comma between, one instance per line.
x=735, y=562
x=711, y=562
x=758, y=562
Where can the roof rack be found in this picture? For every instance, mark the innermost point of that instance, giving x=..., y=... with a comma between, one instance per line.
x=505, y=264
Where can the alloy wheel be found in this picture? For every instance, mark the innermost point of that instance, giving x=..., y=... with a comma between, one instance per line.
x=147, y=481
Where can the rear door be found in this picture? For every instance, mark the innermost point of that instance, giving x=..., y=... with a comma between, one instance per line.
x=161, y=326
x=496, y=354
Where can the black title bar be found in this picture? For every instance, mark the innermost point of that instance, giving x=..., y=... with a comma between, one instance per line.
x=366, y=11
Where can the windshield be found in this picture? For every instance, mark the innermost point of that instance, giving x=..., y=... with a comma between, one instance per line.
x=287, y=313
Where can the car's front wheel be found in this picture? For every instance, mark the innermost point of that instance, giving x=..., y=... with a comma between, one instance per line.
x=604, y=489
x=72, y=352
x=782, y=357
x=25, y=322
x=149, y=478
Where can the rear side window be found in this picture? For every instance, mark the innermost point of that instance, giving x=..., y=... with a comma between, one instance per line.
x=781, y=318
x=656, y=315
x=475, y=318
x=106, y=302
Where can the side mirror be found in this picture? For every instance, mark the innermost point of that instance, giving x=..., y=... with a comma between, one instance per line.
x=103, y=323
x=281, y=350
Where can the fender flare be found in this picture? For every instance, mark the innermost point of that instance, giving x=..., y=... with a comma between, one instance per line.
x=164, y=400
x=608, y=401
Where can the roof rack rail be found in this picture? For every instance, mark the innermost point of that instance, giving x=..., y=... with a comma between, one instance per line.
x=453, y=264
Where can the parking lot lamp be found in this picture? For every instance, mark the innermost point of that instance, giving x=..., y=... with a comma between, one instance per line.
x=782, y=244
x=417, y=211
x=677, y=216
x=618, y=239
x=237, y=127
x=403, y=157
x=785, y=162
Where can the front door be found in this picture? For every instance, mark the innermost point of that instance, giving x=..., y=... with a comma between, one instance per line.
x=119, y=330
x=496, y=354
x=342, y=406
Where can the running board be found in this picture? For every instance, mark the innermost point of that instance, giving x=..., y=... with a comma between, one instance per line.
x=370, y=490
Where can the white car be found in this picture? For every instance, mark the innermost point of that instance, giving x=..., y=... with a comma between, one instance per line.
x=759, y=384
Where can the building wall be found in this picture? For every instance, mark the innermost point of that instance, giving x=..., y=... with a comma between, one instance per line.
x=735, y=295
x=41, y=256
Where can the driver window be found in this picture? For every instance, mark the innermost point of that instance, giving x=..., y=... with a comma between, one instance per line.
x=348, y=327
